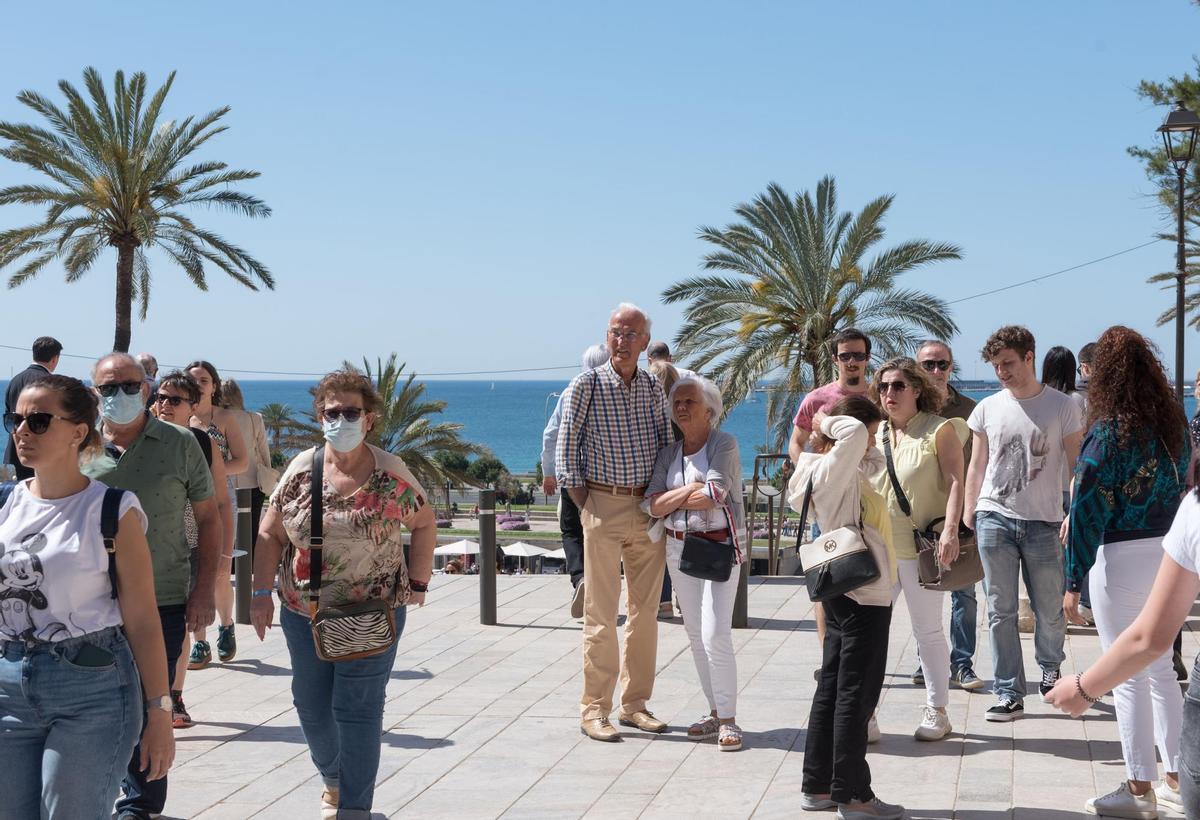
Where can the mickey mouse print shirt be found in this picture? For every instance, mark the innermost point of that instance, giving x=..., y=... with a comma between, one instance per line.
x=363, y=556
x=53, y=565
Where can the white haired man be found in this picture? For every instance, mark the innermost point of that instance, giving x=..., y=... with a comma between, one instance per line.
x=614, y=423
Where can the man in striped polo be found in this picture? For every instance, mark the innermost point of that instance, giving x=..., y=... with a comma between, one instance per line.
x=614, y=422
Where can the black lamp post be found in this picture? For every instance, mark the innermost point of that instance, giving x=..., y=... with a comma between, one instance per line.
x=1179, y=138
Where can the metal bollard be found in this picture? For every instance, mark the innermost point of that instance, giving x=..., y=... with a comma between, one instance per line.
x=487, y=557
x=741, y=601
x=243, y=565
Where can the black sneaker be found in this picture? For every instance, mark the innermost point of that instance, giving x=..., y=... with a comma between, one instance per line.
x=918, y=677
x=1049, y=678
x=1004, y=711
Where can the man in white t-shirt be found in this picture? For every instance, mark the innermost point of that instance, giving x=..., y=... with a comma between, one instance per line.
x=1022, y=438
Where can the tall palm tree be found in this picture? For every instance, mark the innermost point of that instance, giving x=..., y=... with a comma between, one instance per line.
x=795, y=271
x=119, y=179
x=286, y=430
x=406, y=427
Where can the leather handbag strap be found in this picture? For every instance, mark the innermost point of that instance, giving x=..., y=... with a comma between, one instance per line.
x=316, y=530
x=901, y=498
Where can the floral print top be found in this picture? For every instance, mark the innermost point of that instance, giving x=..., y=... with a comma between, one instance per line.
x=363, y=556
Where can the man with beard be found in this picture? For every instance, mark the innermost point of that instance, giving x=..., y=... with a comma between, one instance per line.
x=851, y=350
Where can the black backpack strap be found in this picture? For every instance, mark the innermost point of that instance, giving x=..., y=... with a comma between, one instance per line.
x=110, y=522
x=901, y=498
x=316, y=528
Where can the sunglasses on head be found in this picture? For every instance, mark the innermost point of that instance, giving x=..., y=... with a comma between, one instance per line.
x=847, y=356
x=347, y=413
x=887, y=387
x=110, y=390
x=935, y=364
x=174, y=401
x=37, y=423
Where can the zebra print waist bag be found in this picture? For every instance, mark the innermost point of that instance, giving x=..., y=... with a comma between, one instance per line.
x=349, y=631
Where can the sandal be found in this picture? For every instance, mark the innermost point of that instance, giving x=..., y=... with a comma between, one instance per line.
x=729, y=737
x=703, y=729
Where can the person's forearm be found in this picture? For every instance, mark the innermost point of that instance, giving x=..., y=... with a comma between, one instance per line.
x=420, y=553
x=971, y=496
x=698, y=499
x=954, y=505
x=267, y=552
x=669, y=501
x=144, y=632
x=211, y=531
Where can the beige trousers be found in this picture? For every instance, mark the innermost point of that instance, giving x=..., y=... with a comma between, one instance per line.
x=614, y=530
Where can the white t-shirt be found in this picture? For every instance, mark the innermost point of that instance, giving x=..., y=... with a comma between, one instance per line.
x=1182, y=541
x=687, y=470
x=53, y=566
x=1025, y=452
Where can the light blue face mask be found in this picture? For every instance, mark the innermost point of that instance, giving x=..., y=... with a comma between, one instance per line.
x=122, y=408
x=343, y=435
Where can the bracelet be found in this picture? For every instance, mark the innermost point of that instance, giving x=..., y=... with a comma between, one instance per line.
x=1079, y=689
x=418, y=586
x=261, y=593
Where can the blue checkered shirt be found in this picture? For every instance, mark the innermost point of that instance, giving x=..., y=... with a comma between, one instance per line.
x=611, y=433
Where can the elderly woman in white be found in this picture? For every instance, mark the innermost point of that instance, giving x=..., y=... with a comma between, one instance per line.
x=696, y=489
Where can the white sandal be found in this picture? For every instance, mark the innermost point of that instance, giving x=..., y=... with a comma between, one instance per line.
x=703, y=729
x=729, y=737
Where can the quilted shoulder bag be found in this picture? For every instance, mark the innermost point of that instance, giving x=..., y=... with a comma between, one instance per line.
x=967, y=568
x=349, y=631
x=836, y=562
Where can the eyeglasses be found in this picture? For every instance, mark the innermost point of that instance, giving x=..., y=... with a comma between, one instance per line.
x=931, y=365
x=348, y=413
x=887, y=387
x=110, y=390
x=174, y=401
x=37, y=423
x=628, y=335
x=847, y=356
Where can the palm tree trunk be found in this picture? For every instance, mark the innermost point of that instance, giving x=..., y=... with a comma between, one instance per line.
x=125, y=251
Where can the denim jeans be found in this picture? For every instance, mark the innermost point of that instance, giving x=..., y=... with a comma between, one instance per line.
x=341, y=713
x=146, y=798
x=964, y=612
x=68, y=729
x=1012, y=548
x=1189, y=746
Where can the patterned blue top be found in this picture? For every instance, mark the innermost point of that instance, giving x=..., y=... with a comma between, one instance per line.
x=1120, y=495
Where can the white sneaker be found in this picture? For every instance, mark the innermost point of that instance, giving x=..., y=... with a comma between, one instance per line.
x=934, y=725
x=873, y=809
x=1166, y=796
x=873, y=733
x=1124, y=803
x=813, y=802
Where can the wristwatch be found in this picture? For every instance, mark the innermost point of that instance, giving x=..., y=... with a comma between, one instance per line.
x=162, y=702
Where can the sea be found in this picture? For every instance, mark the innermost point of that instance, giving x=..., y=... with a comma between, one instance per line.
x=508, y=416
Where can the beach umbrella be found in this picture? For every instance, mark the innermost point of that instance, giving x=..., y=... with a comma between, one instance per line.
x=523, y=550
x=463, y=547
x=560, y=554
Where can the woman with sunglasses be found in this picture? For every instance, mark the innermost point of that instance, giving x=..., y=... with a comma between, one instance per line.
x=175, y=402
x=222, y=428
x=926, y=458
x=368, y=497
x=71, y=704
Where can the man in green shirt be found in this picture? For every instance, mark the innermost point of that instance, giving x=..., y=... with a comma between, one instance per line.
x=164, y=466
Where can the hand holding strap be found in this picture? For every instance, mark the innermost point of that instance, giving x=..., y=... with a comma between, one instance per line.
x=316, y=529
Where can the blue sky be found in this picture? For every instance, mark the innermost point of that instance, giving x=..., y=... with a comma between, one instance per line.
x=475, y=185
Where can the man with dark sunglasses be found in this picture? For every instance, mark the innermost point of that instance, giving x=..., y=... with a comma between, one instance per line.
x=851, y=352
x=165, y=467
x=46, y=351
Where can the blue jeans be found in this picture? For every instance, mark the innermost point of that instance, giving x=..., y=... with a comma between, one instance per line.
x=66, y=730
x=964, y=610
x=1011, y=547
x=341, y=712
x=145, y=798
x=1189, y=746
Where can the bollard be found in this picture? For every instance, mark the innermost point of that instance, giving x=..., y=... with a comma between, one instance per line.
x=243, y=565
x=741, y=602
x=487, y=557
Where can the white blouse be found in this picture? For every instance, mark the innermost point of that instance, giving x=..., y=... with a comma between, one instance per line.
x=688, y=470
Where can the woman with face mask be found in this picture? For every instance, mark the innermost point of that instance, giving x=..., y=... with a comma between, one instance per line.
x=368, y=496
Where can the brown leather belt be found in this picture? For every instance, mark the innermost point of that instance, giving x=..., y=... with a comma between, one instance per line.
x=720, y=536
x=633, y=492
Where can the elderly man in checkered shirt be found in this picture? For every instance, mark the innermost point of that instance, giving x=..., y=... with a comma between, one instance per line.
x=614, y=422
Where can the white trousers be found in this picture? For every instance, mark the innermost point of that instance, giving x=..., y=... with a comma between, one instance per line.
x=1149, y=704
x=925, y=611
x=708, y=620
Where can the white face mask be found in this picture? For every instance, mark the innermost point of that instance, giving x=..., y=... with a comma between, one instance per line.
x=343, y=435
x=121, y=408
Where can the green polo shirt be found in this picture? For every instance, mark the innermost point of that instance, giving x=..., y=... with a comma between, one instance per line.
x=165, y=468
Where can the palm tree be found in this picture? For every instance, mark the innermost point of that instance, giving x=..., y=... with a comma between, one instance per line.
x=407, y=429
x=120, y=179
x=286, y=431
x=796, y=272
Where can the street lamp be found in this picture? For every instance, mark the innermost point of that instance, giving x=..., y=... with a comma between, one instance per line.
x=1179, y=138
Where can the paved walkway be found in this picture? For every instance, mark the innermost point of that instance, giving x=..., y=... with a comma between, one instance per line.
x=482, y=722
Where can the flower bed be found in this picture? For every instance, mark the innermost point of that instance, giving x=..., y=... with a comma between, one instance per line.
x=444, y=523
x=507, y=519
x=515, y=525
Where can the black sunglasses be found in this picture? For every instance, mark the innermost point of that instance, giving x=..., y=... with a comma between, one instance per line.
x=348, y=413
x=37, y=423
x=110, y=390
x=847, y=356
x=899, y=387
x=174, y=401
x=935, y=364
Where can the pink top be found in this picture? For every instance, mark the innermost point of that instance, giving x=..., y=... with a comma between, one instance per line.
x=822, y=398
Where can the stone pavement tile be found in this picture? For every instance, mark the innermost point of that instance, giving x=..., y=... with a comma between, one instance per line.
x=559, y=795
x=230, y=810
x=714, y=796
x=476, y=788
x=618, y=806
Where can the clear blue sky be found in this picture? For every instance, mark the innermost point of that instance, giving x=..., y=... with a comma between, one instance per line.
x=475, y=185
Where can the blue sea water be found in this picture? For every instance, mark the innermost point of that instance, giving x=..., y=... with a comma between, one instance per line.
x=508, y=416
